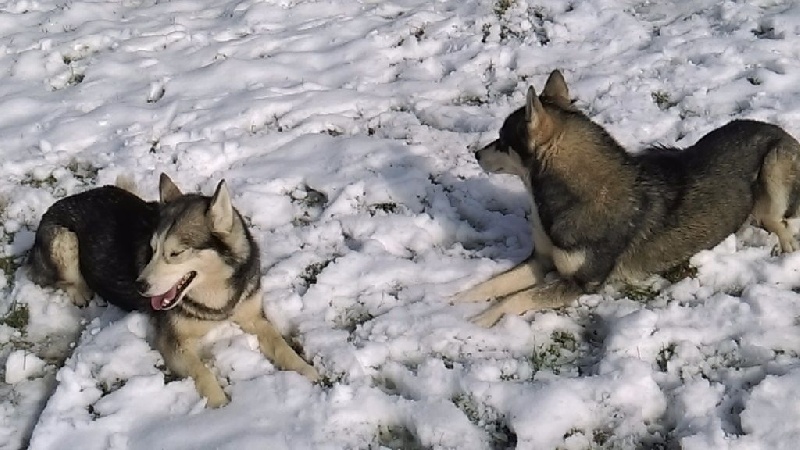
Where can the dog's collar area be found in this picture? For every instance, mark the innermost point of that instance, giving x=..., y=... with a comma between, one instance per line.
x=173, y=296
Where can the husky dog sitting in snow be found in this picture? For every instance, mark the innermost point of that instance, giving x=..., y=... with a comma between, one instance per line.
x=601, y=214
x=201, y=268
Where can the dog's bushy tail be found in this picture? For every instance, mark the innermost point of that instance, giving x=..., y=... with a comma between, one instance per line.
x=127, y=183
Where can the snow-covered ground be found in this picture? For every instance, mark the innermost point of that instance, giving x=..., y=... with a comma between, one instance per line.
x=345, y=130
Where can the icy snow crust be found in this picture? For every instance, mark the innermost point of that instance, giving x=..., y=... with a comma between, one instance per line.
x=345, y=130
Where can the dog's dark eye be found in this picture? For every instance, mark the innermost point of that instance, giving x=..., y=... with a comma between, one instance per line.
x=175, y=253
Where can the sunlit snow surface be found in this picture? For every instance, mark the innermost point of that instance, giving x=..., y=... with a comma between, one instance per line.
x=345, y=131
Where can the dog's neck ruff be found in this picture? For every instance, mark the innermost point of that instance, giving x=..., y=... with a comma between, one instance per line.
x=192, y=308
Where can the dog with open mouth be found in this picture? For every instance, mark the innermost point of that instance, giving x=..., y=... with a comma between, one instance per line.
x=204, y=270
x=188, y=260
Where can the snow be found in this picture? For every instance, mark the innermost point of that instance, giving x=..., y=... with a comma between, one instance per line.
x=345, y=131
x=21, y=365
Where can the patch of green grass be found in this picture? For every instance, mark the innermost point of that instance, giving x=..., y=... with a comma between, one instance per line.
x=490, y=420
x=665, y=355
x=83, y=170
x=766, y=31
x=353, y=317
x=75, y=78
x=109, y=386
x=17, y=318
x=600, y=438
x=314, y=198
x=679, y=272
x=486, y=30
x=294, y=342
x=539, y=17
x=639, y=293
x=92, y=412
x=328, y=380
x=755, y=81
x=662, y=100
x=169, y=377
x=501, y=6
x=386, y=207
x=559, y=352
x=311, y=205
x=565, y=340
x=10, y=264
x=448, y=361
x=397, y=437
x=30, y=180
x=507, y=30
x=312, y=271
x=471, y=100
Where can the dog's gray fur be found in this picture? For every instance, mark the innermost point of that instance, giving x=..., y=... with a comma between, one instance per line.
x=601, y=214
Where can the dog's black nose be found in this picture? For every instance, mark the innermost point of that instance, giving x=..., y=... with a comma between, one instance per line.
x=142, y=286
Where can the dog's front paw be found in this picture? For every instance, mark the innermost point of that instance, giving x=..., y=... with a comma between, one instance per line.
x=785, y=246
x=215, y=396
x=311, y=373
x=488, y=318
x=473, y=295
x=217, y=399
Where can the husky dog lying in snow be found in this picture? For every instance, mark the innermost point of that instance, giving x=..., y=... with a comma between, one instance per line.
x=188, y=259
x=601, y=214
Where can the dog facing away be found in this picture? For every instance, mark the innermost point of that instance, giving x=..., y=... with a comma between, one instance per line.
x=601, y=214
x=187, y=260
x=95, y=241
x=205, y=269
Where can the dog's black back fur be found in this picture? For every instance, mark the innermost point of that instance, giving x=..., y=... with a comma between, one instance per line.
x=113, y=227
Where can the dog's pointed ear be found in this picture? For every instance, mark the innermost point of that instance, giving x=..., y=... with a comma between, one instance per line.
x=166, y=189
x=220, y=212
x=538, y=120
x=556, y=88
x=533, y=106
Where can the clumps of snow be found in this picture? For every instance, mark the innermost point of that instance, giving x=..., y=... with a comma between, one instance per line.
x=21, y=365
x=345, y=131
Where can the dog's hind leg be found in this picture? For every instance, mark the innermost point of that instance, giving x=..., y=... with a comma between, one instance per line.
x=551, y=295
x=66, y=256
x=524, y=275
x=250, y=317
x=54, y=260
x=777, y=192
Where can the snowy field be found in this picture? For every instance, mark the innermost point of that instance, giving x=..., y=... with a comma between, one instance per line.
x=345, y=130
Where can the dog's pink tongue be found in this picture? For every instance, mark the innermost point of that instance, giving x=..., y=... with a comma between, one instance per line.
x=157, y=302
